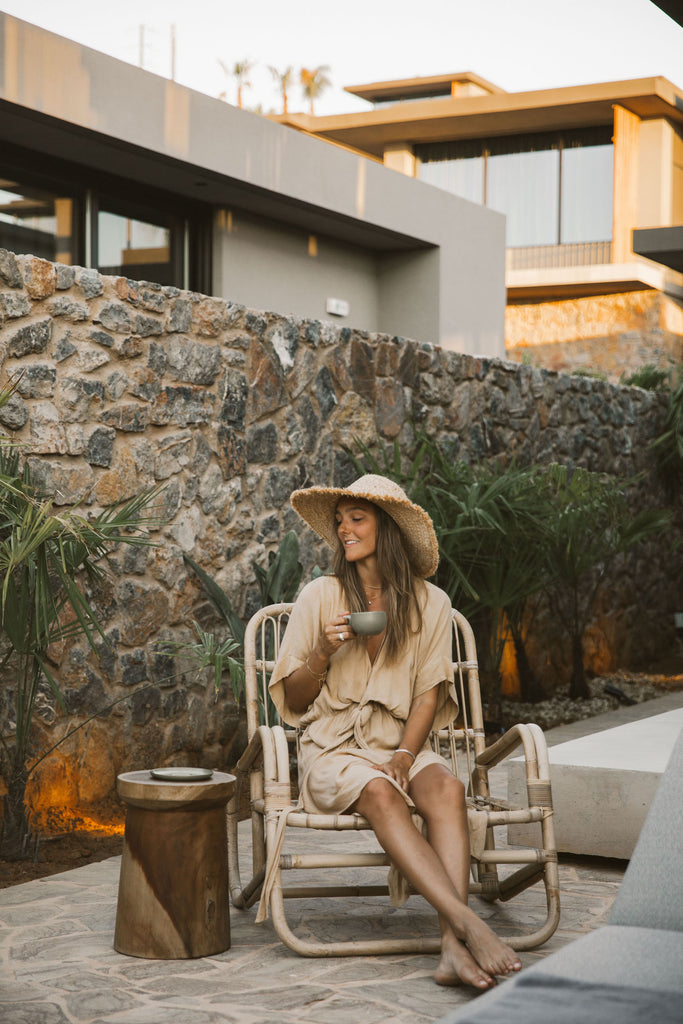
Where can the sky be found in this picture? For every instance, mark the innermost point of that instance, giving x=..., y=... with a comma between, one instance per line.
x=516, y=44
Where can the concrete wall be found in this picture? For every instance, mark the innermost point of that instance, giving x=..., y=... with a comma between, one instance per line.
x=660, y=175
x=69, y=101
x=410, y=296
x=677, y=183
x=266, y=265
x=126, y=385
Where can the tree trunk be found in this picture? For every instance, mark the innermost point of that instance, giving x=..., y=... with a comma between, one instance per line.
x=529, y=687
x=489, y=670
x=15, y=836
x=578, y=686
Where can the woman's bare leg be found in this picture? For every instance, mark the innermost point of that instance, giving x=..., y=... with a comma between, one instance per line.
x=432, y=790
x=390, y=818
x=448, y=836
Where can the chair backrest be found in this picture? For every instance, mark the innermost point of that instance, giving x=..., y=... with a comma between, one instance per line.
x=464, y=736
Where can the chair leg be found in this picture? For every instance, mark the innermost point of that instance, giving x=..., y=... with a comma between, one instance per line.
x=369, y=947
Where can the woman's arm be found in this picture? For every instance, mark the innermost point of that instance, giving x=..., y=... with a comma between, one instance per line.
x=417, y=729
x=304, y=684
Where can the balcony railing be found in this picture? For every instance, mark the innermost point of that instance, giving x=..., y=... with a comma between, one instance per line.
x=542, y=257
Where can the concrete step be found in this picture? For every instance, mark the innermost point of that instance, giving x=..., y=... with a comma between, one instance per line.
x=602, y=784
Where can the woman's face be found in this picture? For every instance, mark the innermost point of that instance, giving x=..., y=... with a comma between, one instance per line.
x=357, y=528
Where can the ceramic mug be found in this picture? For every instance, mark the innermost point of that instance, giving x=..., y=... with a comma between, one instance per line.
x=367, y=623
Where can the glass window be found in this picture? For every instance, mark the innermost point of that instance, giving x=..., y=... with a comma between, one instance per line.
x=456, y=168
x=133, y=248
x=36, y=222
x=554, y=188
x=586, y=201
x=525, y=186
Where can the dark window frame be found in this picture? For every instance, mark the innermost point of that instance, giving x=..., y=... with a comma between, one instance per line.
x=90, y=190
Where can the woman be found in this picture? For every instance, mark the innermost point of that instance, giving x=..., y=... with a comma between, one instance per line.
x=366, y=705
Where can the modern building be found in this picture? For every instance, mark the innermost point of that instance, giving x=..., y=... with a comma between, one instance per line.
x=105, y=165
x=590, y=179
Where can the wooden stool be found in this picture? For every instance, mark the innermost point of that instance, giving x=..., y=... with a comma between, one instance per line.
x=173, y=888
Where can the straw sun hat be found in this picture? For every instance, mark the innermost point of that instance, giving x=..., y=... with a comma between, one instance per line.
x=317, y=506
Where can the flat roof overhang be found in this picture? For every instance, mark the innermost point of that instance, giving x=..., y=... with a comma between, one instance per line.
x=500, y=114
x=417, y=86
x=663, y=245
x=52, y=137
x=552, y=291
x=550, y=283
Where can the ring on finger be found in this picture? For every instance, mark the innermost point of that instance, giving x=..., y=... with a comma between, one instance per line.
x=341, y=637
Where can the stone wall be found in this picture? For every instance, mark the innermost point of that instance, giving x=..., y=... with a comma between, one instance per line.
x=613, y=334
x=126, y=385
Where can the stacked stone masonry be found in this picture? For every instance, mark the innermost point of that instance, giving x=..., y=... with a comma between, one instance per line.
x=126, y=385
x=612, y=334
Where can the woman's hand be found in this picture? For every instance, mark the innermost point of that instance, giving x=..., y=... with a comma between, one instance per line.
x=334, y=635
x=304, y=684
x=397, y=768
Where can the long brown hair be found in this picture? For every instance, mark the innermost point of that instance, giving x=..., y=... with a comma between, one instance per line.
x=399, y=582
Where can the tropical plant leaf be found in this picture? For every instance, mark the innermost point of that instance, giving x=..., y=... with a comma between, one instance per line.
x=219, y=599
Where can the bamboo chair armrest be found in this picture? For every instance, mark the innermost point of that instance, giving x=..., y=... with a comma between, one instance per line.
x=282, y=751
x=536, y=760
x=277, y=790
x=541, y=750
x=270, y=742
x=252, y=752
x=508, y=742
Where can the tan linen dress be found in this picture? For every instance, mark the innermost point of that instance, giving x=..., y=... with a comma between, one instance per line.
x=357, y=720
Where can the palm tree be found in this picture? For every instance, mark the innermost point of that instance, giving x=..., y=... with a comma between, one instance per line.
x=487, y=520
x=284, y=80
x=240, y=72
x=590, y=522
x=45, y=560
x=314, y=81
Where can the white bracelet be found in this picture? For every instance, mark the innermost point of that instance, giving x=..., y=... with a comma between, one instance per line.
x=403, y=750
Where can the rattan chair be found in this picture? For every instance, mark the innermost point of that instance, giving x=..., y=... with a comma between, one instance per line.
x=266, y=764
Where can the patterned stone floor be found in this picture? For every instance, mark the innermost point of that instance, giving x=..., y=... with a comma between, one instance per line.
x=58, y=963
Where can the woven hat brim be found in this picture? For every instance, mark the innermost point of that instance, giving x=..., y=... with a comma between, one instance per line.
x=317, y=506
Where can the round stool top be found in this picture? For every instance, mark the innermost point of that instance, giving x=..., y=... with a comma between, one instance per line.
x=142, y=790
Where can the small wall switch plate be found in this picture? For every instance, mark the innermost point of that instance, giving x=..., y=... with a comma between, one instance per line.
x=337, y=307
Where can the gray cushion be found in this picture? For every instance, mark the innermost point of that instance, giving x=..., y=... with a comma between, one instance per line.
x=602, y=977
x=651, y=894
x=624, y=955
x=544, y=999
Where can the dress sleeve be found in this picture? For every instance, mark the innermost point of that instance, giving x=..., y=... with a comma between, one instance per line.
x=435, y=658
x=298, y=642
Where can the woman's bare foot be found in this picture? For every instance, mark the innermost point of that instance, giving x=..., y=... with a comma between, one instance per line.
x=457, y=966
x=491, y=953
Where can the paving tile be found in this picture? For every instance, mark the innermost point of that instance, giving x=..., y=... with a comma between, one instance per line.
x=86, y=1005
x=155, y=1014
x=135, y=970
x=342, y=1009
x=422, y=996
x=35, y=1013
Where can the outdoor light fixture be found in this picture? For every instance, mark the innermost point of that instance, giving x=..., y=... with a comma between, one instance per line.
x=337, y=307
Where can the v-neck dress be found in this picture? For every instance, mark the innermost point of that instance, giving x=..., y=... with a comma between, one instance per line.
x=357, y=720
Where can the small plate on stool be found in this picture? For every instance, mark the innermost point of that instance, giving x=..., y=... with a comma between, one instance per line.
x=181, y=774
